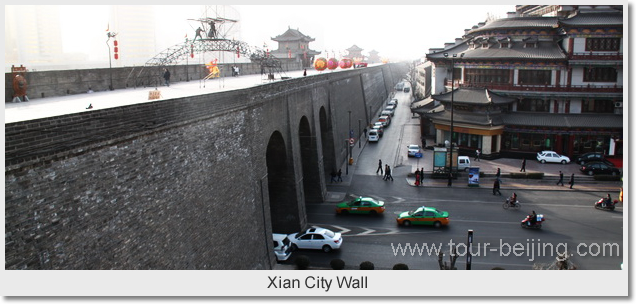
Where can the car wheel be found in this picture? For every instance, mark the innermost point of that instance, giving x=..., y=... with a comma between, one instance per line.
x=406, y=223
x=543, y=161
x=294, y=247
x=590, y=173
x=563, y=162
x=344, y=211
x=437, y=224
x=326, y=248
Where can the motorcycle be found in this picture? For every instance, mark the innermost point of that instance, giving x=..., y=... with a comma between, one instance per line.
x=603, y=205
x=526, y=223
x=507, y=204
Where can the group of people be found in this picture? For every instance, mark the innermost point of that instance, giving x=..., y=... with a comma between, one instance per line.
x=336, y=176
x=419, y=176
x=386, y=171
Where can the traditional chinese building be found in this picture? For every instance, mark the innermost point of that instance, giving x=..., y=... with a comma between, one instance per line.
x=561, y=77
x=374, y=57
x=294, y=46
x=355, y=52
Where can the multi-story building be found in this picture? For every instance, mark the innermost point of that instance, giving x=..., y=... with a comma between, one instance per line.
x=530, y=82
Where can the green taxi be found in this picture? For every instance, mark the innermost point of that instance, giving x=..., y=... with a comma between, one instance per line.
x=423, y=216
x=363, y=205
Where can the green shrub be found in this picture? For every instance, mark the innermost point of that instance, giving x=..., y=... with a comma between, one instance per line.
x=337, y=264
x=302, y=262
x=400, y=266
x=366, y=265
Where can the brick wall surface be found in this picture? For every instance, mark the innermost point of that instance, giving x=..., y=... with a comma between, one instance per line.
x=173, y=184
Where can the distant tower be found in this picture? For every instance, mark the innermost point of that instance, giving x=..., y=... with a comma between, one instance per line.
x=294, y=46
x=355, y=52
x=373, y=57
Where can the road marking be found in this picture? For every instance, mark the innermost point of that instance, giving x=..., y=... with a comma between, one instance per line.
x=367, y=231
x=343, y=230
x=490, y=222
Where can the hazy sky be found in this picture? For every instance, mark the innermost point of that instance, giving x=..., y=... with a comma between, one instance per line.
x=395, y=31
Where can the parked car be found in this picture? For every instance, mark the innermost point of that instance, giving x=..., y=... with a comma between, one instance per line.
x=385, y=120
x=407, y=89
x=552, y=157
x=399, y=86
x=373, y=135
x=316, y=238
x=393, y=101
x=386, y=113
x=363, y=205
x=282, y=247
x=414, y=149
x=379, y=128
x=589, y=157
x=463, y=163
x=424, y=216
x=595, y=168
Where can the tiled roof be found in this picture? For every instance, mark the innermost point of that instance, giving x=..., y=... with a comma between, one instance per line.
x=604, y=19
x=564, y=120
x=545, y=50
x=518, y=22
x=474, y=96
x=292, y=35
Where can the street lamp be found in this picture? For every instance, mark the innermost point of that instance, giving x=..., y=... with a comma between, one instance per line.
x=452, y=59
x=110, y=65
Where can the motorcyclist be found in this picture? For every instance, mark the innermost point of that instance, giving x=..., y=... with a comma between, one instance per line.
x=533, y=218
x=607, y=201
x=513, y=199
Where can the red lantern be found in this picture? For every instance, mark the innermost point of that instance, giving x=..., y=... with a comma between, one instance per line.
x=332, y=63
x=320, y=64
x=116, y=56
x=115, y=43
x=116, y=49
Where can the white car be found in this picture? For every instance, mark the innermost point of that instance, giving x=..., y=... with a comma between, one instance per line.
x=282, y=247
x=414, y=149
x=373, y=135
x=316, y=238
x=552, y=157
x=393, y=102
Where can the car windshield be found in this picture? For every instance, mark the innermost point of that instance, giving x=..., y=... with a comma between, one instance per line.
x=413, y=147
x=329, y=233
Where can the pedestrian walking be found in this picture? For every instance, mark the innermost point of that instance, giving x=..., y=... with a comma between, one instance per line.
x=379, y=167
x=166, y=76
x=339, y=175
x=477, y=155
x=388, y=173
x=422, y=175
x=333, y=176
x=495, y=188
x=305, y=72
x=560, y=178
x=417, y=177
x=498, y=175
x=365, y=132
x=523, y=166
x=571, y=181
x=450, y=179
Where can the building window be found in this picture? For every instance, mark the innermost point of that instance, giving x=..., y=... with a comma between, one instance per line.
x=504, y=45
x=535, y=77
x=533, y=105
x=600, y=74
x=602, y=44
x=530, y=45
x=488, y=76
x=597, y=106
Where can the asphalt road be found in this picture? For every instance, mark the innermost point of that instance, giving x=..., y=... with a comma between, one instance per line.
x=572, y=223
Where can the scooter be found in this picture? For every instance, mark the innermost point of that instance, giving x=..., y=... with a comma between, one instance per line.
x=602, y=205
x=526, y=223
x=508, y=204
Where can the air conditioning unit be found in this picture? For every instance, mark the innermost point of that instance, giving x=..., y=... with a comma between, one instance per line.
x=618, y=104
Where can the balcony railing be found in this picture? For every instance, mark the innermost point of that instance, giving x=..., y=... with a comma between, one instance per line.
x=541, y=88
x=596, y=56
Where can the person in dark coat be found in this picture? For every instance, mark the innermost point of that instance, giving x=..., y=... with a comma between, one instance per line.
x=388, y=173
x=523, y=166
x=560, y=178
x=571, y=181
x=379, y=167
x=333, y=176
x=498, y=175
x=339, y=175
x=496, y=187
x=166, y=76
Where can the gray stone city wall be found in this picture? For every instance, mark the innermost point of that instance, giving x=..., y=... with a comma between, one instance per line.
x=172, y=184
x=70, y=82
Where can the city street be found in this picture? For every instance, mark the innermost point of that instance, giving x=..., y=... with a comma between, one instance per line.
x=572, y=222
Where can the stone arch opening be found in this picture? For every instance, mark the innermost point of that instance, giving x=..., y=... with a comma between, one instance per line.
x=283, y=203
x=309, y=159
x=326, y=136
